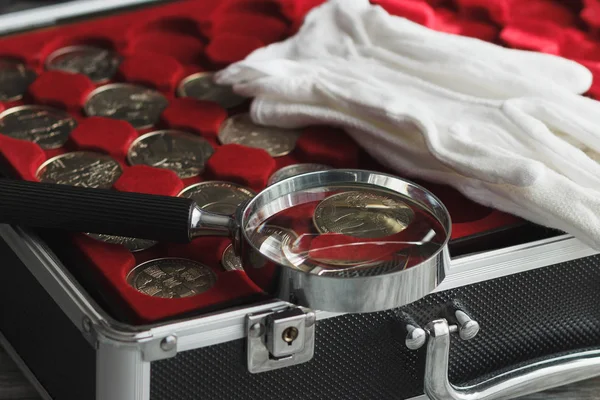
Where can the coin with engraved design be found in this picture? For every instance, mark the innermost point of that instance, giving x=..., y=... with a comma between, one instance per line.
x=271, y=241
x=362, y=214
x=80, y=168
x=181, y=152
x=138, y=105
x=218, y=196
x=240, y=129
x=294, y=170
x=47, y=126
x=230, y=261
x=15, y=78
x=98, y=64
x=201, y=86
x=131, y=244
x=171, y=278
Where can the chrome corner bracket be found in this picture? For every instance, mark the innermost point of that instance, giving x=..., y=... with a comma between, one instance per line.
x=280, y=338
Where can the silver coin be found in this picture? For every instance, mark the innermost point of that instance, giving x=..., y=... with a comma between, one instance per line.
x=171, y=278
x=362, y=214
x=295, y=169
x=15, y=78
x=271, y=240
x=139, y=106
x=99, y=64
x=181, y=152
x=131, y=244
x=47, y=126
x=240, y=129
x=218, y=196
x=230, y=261
x=201, y=86
x=80, y=168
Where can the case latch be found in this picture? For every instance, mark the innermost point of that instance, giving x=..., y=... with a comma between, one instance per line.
x=280, y=338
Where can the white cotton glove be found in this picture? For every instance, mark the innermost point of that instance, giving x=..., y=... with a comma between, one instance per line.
x=354, y=28
x=506, y=146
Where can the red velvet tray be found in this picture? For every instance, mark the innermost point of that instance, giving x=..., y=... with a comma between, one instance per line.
x=163, y=44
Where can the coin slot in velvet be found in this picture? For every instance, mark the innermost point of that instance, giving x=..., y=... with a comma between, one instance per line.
x=184, y=48
x=95, y=41
x=99, y=252
x=296, y=10
x=21, y=156
x=155, y=70
x=590, y=14
x=27, y=51
x=451, y=22
x=149, y=180
x=204, y=117
x=240, y=164
x=228, y=288
x=173, y=24
x=534, y=36
x=327, y=145
x=579, y=46
x=265, y=7
x=61, y=89
x=227, y=48
x=416, y=11
x=541, y=10
x=104, y=134
x=265, y=28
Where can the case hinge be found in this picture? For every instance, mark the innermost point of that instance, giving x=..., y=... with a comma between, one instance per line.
x=280, y=338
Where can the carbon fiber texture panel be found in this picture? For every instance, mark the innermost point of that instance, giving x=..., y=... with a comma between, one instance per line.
x=523, y=317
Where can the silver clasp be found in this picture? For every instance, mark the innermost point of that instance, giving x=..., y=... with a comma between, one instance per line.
x=280, y=338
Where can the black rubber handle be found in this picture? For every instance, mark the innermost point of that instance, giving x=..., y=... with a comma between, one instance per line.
x=47, y=205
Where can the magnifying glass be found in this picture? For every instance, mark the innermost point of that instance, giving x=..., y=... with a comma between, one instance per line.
x=336, y=240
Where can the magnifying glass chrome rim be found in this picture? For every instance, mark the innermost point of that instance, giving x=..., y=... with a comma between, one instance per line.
x=376, y=292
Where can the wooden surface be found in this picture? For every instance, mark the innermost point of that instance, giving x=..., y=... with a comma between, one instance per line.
x=14, y=386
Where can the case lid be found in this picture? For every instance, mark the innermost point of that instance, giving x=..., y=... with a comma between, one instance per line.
x=19, y=16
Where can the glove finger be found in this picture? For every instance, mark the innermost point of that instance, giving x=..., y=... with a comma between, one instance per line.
x=535, y=119
x=393, y=33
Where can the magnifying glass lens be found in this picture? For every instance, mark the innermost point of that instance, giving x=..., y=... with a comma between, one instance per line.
x=345, y=230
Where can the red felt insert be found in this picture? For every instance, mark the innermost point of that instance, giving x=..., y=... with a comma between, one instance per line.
x=158, y=23
x=543, y=36
x=96, y=40
x=416, y=11
x=155, y=70
x=61, y=89
x=577, y=45
x=204, y=117
x=24, y=157
x=262, y=27
x=591, y=13
x=184, y=48
x=451, y=22
x=536, y=10
x=327, y=145
x=165, y=43
x=106, y=135
x=227, y=48
x=494, y=10
x=228, y=7
x=296, y=10
x=244, y=165
x=149, y=180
